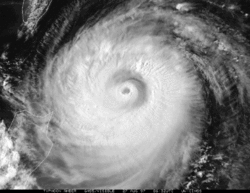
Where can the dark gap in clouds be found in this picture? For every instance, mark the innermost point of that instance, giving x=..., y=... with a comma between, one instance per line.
x=10, y=20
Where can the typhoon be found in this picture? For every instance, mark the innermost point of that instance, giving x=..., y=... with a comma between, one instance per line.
x=126, y=95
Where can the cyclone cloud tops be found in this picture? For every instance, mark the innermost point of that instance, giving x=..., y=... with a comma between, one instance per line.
x=126, y=95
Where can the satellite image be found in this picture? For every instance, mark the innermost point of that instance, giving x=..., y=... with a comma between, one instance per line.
x=125, y=94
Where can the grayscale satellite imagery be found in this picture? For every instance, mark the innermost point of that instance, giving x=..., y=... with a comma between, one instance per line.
x=124, y=95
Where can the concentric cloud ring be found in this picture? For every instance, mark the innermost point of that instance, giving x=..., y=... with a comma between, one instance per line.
x=122, y=111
